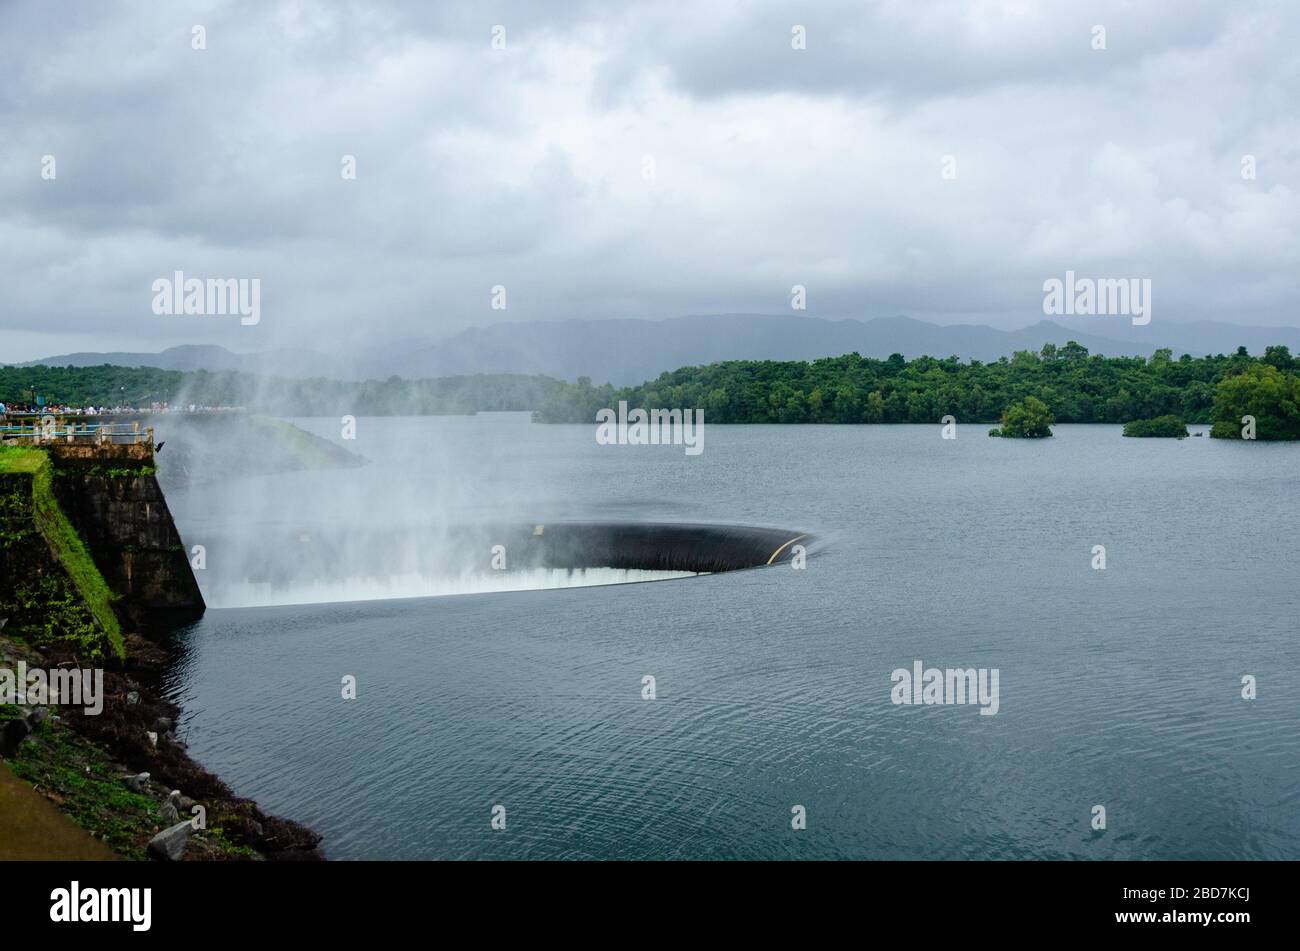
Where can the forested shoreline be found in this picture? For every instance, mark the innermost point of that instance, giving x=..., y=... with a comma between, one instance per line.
x=1076, y=386
x=141, y=387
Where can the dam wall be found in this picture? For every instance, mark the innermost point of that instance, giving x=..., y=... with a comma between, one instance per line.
x=51, y=593
x=111, y=495
x=88, y=546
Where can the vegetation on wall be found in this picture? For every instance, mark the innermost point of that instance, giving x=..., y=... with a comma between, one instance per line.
x=81, y=614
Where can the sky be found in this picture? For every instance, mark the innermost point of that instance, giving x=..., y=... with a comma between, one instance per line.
x=935, y=159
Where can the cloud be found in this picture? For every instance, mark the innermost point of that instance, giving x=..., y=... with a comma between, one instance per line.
x=529, y=167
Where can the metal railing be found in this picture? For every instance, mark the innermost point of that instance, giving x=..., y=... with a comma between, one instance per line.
x=50, y=430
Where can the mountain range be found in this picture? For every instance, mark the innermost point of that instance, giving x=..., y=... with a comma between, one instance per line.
x=631, y=351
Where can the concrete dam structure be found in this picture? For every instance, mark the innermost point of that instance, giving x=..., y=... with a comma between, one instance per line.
x=88, y=548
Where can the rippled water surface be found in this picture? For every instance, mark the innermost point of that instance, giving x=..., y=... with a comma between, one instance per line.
x=1119, y=687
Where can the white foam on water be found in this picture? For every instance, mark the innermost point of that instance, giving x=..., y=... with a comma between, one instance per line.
x=248, y=594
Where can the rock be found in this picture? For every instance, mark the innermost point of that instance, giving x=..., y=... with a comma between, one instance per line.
x=169, y=811
x=37, y=716
x=163, y=725
x=152, y=737
x=137, y=782
x=175, y=740
x=184, y=803
x=14, y=732
x=169, y=844
x=132, y=698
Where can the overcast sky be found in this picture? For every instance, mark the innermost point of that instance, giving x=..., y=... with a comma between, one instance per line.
x=527, y=167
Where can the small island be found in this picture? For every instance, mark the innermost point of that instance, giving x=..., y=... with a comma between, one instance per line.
x=1168, y=427
x=1028, y=419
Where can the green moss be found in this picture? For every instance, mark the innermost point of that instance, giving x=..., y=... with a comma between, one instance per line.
x=46, y=595
x=21, y=459
x=111, y=472
x=217, y=835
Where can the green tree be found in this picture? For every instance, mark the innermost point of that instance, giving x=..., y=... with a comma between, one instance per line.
x=1073, y=352
x=1264, y=392
x=1279, y=356
x=1028, y=419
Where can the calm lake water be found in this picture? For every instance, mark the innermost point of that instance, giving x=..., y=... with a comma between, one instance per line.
x=1119, y=687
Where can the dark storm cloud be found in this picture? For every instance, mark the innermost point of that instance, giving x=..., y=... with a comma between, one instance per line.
x=526, y=166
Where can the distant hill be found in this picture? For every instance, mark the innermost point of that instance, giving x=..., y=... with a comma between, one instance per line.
x=289, y=363
x=630, y=351
x=626, y=352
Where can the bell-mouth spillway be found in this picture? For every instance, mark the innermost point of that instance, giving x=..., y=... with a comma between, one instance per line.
x=324, y=563
x=698, y=548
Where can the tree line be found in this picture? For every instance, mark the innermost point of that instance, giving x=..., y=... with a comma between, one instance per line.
x=141, y=387
x=1074, y=385
x=1077, y=386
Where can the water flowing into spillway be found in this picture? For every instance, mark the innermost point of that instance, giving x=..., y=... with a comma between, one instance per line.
x=255, y=594
x=324, y=565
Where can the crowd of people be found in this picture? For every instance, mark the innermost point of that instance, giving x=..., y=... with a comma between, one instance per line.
x=9, y=410
x=60, y=409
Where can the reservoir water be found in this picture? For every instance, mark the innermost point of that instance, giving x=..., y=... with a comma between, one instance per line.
x=1119, y=687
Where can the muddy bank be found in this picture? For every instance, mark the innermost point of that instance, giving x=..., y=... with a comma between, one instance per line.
x=81, y=764
x=32, y=828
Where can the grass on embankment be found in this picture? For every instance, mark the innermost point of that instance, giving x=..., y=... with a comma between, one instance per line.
x=84, y=781
x=307, y=450
x=86, y=786
x=63, y=538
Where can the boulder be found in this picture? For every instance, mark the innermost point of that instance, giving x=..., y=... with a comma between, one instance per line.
x=169, y=844
x=168, y=811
